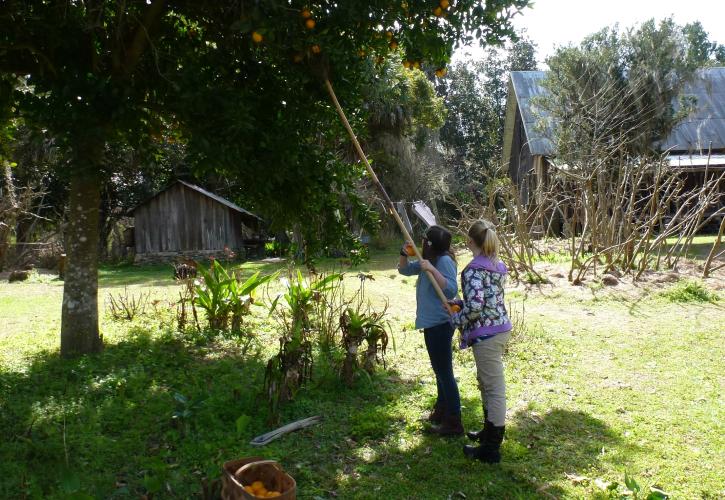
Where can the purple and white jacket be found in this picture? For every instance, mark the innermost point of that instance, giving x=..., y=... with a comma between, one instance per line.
x=483, y=311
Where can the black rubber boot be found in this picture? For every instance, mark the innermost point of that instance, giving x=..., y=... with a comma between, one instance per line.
x=478, y=435
x=490, y=449
x=450, y=427
x=436, y=416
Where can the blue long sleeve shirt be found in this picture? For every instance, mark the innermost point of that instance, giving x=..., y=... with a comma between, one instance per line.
x=429, y=310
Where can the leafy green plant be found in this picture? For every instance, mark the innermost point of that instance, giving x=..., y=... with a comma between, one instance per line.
x=184, y=411
x=291, y=367
x=690, y=291
x=213, y=295
x=222, y=296
x=242, y=296
x=636, y=493
x=359, y=253
x=358, y=326
x=360, y=323
x=534, y=279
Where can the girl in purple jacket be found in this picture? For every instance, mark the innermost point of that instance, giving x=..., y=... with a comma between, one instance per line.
x=485, y=328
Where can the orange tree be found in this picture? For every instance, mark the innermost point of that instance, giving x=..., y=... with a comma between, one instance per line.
x=231, y=79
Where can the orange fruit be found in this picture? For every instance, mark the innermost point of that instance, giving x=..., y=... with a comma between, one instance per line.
x=273, y=494
x=257, y=37
x=306, y=14
x=316, y=49
x=416, y=65
x=444, y=4
x=441, y=72
x=438, y=12
x=310, y=24
x=410, y=250
x=298, y=58
x=406, y=64
x=249, y=490
x=389, y=34
x=258, y=485
x=393, y=45
x=455, y=308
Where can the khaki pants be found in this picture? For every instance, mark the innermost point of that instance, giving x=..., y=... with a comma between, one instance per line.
x=489, y=367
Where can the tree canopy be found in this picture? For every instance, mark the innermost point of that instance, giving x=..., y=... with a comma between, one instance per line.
x=615, y=91
x=475, y=97
x=237, y=82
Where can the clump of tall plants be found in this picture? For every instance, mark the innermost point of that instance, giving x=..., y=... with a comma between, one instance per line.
x=224, y=297
x=316, y=317
x=360, y=323
x=294, y=310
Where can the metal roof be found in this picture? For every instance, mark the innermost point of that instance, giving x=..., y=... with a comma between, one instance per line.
x=219, y=199
x=537, y=122
x=203, y=191
x=694, y=161
x=705, y=126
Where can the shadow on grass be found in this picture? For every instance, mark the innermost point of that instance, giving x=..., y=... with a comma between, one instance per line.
x=404, y=463
x=560, y=442
x=147, y=415
x=156, y=414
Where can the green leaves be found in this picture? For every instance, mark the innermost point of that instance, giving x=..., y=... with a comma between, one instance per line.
x=616, y=90
x=241, y=424
x=631, y=484
x=221, y=295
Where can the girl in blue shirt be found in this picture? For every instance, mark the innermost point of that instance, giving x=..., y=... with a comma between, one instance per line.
x=436, y=324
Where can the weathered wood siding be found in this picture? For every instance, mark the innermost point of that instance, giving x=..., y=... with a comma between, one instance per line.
x=521, y=162
x=182, y=220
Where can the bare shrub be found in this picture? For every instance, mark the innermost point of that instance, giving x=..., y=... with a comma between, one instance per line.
x=125, y=306
x=502, y=204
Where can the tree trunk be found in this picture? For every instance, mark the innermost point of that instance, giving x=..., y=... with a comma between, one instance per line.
x=79, y=325
x=8, y=207
x=105, y=224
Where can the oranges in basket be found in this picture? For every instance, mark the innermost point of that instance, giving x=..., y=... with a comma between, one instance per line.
x=258, y=490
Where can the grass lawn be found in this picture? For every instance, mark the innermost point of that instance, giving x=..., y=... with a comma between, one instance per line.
x=599, y=384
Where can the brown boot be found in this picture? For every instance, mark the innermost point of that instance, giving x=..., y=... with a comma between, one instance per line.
x=436, y=416
x=450, y=427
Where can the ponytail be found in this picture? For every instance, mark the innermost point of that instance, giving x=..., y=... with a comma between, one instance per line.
x=483, y=234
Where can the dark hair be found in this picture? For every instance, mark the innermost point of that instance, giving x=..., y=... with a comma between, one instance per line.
x=438, y=242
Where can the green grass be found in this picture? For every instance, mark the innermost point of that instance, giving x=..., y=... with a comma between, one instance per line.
x=690, y=291
x=700, y=247
x=596, y=388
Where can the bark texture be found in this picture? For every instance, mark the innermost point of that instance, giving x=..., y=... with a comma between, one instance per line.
x=79, y=324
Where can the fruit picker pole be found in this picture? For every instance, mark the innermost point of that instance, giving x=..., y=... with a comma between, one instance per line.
x=380, y=187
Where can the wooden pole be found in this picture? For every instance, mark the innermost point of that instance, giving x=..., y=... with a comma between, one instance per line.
x=381, y=189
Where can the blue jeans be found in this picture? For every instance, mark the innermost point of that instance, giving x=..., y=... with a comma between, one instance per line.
x=438, y=342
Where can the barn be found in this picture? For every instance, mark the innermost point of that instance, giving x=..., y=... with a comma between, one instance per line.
x=187, y=221
x=696, y=144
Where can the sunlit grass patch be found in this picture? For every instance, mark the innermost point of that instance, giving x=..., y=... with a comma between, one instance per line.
x=690, y=291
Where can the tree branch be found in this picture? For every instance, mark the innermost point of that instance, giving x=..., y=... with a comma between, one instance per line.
x=141, y=37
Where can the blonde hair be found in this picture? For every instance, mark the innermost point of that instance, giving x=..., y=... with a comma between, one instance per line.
x=483, y=234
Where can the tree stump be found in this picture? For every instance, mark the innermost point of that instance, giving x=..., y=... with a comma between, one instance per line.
x=18, y=276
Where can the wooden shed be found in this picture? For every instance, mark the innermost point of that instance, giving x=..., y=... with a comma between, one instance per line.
x=185, y=220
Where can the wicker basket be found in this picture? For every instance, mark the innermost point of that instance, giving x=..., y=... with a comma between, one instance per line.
x=242, y=472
